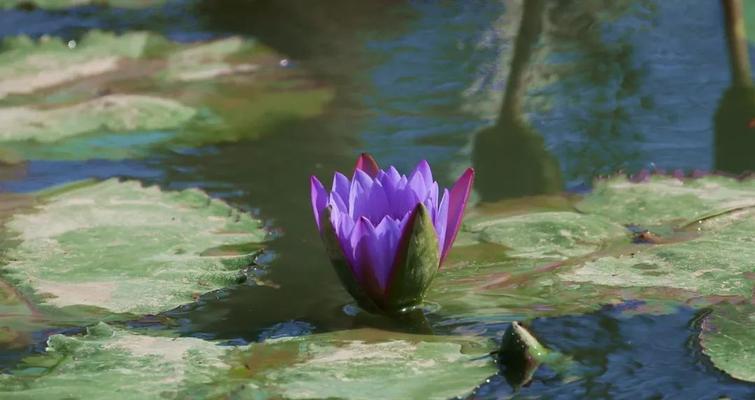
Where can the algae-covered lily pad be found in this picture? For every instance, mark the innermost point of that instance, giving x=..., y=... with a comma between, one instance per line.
x=113, y=113
x=511, y=264
x=122, y=96
x=368, y=364
x=728, y=338
x=114, y=363
x=27, y=65
x=127, y=248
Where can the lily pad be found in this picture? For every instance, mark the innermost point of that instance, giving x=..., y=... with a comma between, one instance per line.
x=510, y=264
x=27, y=65
x=113, y=113
x=357, y=364
x=116, y=363
x=663, y=200
x=109, y=362
x=717, y=263
x=727, y=338
x=124, y=96
x=208, y=60
x=126, y=248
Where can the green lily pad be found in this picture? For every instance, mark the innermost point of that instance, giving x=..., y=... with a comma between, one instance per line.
x=113, y=113
x=27, y=65
x=113, y=363
x=357, y=364
x=727, y=338
x=510, y=264
x=125, y=248
x=557, y=235
x=714, y=264
x=208, y=60
x=124, y=96
x=116, y=363
x=663, y=200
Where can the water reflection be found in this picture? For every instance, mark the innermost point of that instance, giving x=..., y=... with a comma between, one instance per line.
x=510, y=157
x=734, y=121
x=623, y=356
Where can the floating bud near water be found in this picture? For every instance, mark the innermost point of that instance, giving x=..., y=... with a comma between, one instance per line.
x=387, y=234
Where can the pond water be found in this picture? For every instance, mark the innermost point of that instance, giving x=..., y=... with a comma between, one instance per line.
x=608, y=86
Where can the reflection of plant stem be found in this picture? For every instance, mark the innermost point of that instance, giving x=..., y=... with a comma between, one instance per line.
x=8, y=288
x=415, y=320
x=529, y=31
x=736, y=40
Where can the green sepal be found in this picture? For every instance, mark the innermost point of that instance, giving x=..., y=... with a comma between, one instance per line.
x=416, y=263
x=340, y=264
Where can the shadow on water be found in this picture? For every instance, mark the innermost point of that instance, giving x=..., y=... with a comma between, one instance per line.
x=734, y=121
x=510, y=157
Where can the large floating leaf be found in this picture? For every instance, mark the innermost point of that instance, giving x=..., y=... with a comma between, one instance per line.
x=510, y=264
x=121, y=96
x=663, y=200
x=718, y=262
x=727, y=338
x=127, y=248
x=113, y=113
x=27, y=65
x=557, y=234
x=114, y=363
x=368, y=364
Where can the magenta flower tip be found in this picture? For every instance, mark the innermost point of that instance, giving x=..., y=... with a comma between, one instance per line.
x=366, y=163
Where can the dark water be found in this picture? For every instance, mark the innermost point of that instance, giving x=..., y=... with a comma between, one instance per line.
x=608, y=86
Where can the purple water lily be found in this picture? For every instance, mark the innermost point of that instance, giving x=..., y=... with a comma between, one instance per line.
x=386, y=233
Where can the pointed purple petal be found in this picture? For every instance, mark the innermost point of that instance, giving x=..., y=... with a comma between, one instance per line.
x=364, y=179
x=341, y=185
x=356, y=254
x=418, y=180
x=319, y=198
x=337, y=202
x=457, y=202
x=441, y=221
x=356, y=194
x=423, y=170
x=366, y=163
x=383, y=250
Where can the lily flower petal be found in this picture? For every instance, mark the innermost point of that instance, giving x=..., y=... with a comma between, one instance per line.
x=366, y=163
x=319, y=198
x=341, y=185
x=387, y=234
x=457, y=202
